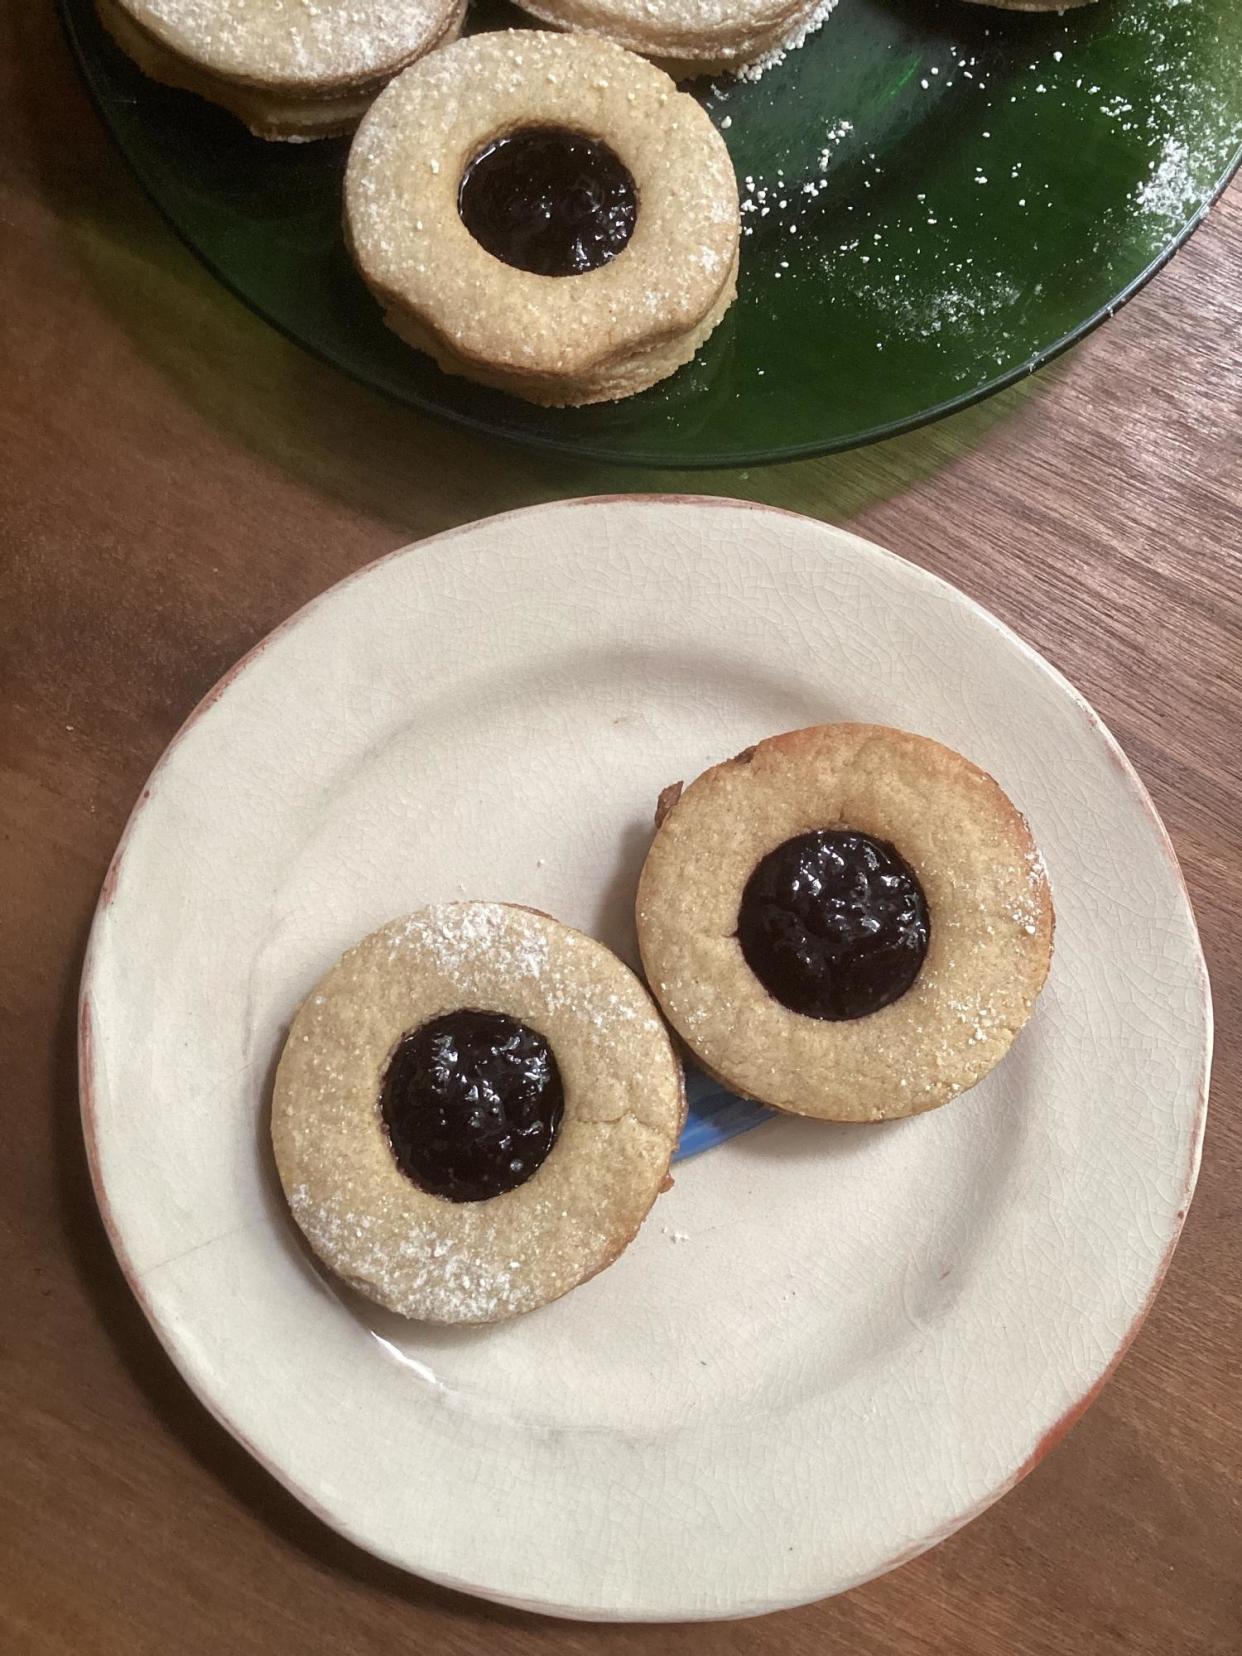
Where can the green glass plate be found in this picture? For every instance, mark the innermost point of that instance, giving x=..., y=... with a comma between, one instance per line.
x=937, y=198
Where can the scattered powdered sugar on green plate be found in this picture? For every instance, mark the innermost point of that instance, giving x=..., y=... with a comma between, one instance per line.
x=936, y=198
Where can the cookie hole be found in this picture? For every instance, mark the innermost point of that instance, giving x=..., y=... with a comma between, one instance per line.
x=834, y=924
x=472, y=1104
x=549, y=200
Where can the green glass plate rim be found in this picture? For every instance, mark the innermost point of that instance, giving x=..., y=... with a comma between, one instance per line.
x=598, y=453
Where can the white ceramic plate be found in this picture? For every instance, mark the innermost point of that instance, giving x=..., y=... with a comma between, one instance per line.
x=829, y=1347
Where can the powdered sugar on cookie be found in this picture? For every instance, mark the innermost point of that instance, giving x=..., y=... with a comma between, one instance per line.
x=475, y=1260
x=295, y=42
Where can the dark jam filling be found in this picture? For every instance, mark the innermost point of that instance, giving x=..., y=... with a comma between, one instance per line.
x=472, y=1102
x=834, y=924
x=549, y=200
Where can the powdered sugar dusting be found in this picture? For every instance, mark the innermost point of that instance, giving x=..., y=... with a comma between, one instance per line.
x=458, y=933
x=769, y=60
x=1173, y=182
x=424, y=1272
x=295, y=42
x=1029, y=908
x=414, y=1252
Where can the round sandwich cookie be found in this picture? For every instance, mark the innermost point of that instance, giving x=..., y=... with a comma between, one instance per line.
x=1032, y=5
x=690, y=37
x=474, y=1112
x=847, y=922
x=545, y=214
x=292, y=69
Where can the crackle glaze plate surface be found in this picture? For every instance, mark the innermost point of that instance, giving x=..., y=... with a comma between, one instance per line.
x=829, y=1346
x=937, y=198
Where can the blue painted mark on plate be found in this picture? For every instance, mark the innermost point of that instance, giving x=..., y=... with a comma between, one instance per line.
x=715, y=1114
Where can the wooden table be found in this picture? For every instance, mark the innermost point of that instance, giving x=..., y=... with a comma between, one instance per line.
x=175, y=479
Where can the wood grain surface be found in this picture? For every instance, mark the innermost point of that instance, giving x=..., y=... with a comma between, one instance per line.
x=175, y=478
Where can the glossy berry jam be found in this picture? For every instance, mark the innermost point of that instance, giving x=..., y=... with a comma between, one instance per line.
x=472, y=1102
x=834, y=924
x=549, y=200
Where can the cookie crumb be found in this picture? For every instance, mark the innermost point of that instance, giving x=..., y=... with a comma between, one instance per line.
x=668, y=798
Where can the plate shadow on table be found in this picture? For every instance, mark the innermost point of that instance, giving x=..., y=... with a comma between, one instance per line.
x=270, y=396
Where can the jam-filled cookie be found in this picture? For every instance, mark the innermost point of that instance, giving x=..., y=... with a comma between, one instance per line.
x=474, y=1111
x=288, y=68
x=848, y=922
x=689, y=37
x=546, y=214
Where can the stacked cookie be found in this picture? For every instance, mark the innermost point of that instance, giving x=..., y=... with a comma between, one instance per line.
x=1033, y=5
x=543, y=213
x=298, y=69
x=291, y=69
x=690, y=37
x=546, y=214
